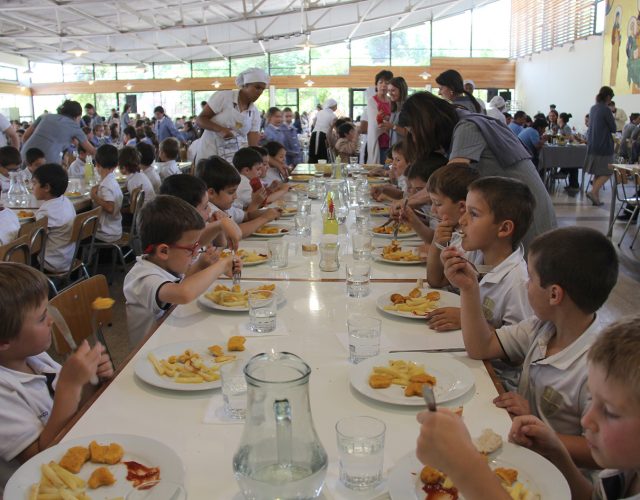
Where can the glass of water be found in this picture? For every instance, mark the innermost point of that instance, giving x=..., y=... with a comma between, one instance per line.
x=363, y=216
x=262, y=311
x=234, y=389
x=302, y=224
x=361, y=449
x=304, y=205
x=362, y=244
x=358, y=278
x=364, y=337
x=278, y=252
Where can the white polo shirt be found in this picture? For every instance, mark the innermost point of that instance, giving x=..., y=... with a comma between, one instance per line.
x=76, y=169
x=555, y=386
x=153, y=176
x=167, y=168
x=110, y=225
x=140, y=287
x=236, y=214
x=615, y=485
x=60, y=248
x=9, y=226
x=273, y=174
x=138, y=179
x=25, y=407
x=243, y=193
x=5, y=182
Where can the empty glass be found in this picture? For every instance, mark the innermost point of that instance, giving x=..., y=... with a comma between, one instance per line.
x=234, y=389
x=278, y=252
x=329, y=251
x=364, y=337
x=362, y=244
x=361, y=449
x=358, y=279
x=262, y=311
x=363, y=216
x=302, y=224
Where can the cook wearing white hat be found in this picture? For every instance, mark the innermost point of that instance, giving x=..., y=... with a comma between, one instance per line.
x=496, y=108
x=330, y=103
x=252, y=75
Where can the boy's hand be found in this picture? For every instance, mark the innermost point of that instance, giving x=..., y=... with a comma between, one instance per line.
x=105, y=367
x=443, y=440
x=274, y=186
x=533, y=433
x=458, y=271
x=219, y=215
x=230, y=265
x=376, y=193
x=209, y=257
x=272, y=213
x=94, y=193
x=82, y=365
x=444, y=319
x=396, y=208
x=444, y=231
x=259, y=197
x=513, y=403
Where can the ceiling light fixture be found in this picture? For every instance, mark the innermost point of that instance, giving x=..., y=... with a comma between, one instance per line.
x=178, y=79
x=309, y=83
x=28, y=72
x=216, y=84
x=128, y=86
x=91, y=82
x=424, y=75
x=77, y=51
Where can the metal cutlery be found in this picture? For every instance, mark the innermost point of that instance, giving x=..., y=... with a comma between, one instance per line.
x=237, y=274
x=429, y=397
x=444, y=349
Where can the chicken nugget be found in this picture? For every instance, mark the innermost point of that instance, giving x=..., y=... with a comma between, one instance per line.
x=413, y=389
x=415, y=293
x=396, y=298
x=433, y=296
x=111, y=454
x=101, y=477
x=429, y=475
x=423, y=378
x=216, y=350
x=236, y=343
x=506, y=475
x=380, y=381
x=74, y=459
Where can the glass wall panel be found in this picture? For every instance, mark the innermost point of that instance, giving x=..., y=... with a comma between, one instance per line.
x=491, y=30
x=359, y=98
x=179, y=70
x=77, y=72
x=84, y=99
x=287, y=98
x=239, y=64
x=330, y=60
x=600, y=16
x=294, y=62
x=46, y=72
x=204, y=69
x=130, y=72
x=106, y=102
x=371, y=51
x=310, y=97
x=411, y=46
x=199, y=96
x=8, y=73
x=50, y=103
x=16, y=107
x=176, y=103
x=145, y=102
x=105, y=71
x=452, y=36
x=263, y=101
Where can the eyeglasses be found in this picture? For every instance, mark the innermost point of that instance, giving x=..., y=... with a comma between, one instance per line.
x=192, y=249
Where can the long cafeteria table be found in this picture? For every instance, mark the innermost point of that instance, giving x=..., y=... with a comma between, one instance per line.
x=630, y=169
x=553, y=156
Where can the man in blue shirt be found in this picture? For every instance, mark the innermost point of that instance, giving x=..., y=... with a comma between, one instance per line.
x=531, y=137
x=518, y=121
x=164, y=126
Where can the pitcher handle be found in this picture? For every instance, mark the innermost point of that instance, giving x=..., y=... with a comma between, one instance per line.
x=282, y=411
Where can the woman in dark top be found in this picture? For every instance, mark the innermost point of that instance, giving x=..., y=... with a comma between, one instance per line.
x=600, y=143
x=434, y=125
x=452, y=89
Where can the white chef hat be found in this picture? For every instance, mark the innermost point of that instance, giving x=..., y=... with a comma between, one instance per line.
x=252, y=75
x=329, y=103
x=497, y=102
x=470, y=82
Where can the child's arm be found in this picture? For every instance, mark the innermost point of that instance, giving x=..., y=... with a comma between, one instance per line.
x=532, y=433
x=258, y=198
x=107, y=206
x=579, y=451
x=260, y=219
x=435, y=267
x=479, y=338
x=195, y=284
x=75, y=374
x=424, y=232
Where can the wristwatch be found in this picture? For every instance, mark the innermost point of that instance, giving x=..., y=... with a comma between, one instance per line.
x=394, y=128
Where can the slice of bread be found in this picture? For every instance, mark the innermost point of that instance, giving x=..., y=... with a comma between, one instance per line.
x=488, y=442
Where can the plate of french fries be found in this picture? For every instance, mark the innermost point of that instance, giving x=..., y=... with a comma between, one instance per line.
x=524, y=474
x=91, y=461
x=394, y=253
x=249, y=257
x=288, y=210
x=448, y=377
x=416, y=303
x=190, y=365
x=379, y=211
x=227, y=297
x=405, y=231
x=271, y=231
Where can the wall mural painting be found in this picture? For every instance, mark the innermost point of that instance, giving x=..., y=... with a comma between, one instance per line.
x=621, y=68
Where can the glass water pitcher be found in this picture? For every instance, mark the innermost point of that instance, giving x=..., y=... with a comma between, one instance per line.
x=18, y=194
x=280, y=455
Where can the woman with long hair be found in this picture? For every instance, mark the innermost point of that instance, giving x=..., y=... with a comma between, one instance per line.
x=398, y=92
x=435, y=125
x=452, y=89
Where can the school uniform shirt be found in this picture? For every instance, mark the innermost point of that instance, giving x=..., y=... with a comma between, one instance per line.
x=4, y=125
x=153, y=176
x=555, y=386
x=138, y=179
x=110, y=225
x=515, y=128
x=236, y=214
x=5, y=182
x=76, y=169
x=26, y=401
x=53, y=134
x=59, y=249
x=165, y=128
x=167, y=168
x=243, y=193
x=140, y=287
x=614, y=485
x=9, y=226
x=273, y=174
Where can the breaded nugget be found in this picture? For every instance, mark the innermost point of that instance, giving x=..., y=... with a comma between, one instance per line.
x=236, y=343
x=429, y=475
x=415, y=293
x=423, y=378
x=111, y=454
x=413, y=389
x=509, y=476
x=396, y=298
x=216, y=350
x=75, y=458
x=380, y=381
x=101, y=477
x=433, y=296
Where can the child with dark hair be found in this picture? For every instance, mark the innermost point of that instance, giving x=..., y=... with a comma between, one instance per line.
x=168, y=154
x=129, y=161
x=130, y=138
x=34, y=158
x=10, y=161
x=147, y=157
x=50, y=181
x=399, y=166
x=108, y=195
x=170, y=231
x=222, y=180
x=347, y=144
x=551, y=347
x=278, y=170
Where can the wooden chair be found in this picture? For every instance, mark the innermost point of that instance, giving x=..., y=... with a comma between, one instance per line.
x=74, y=304
x=37, y=231
x=84, y=228
x=16, y=250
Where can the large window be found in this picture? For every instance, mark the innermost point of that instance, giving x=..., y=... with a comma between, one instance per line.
x=452, y=36
x=83, y=99
x=371, y=51
x=491, y=25
x=176, y=103
x=238, y=65
x=16, y=107
x=46, y=72
x=206, y=69
x=106, y=102
x=77, y=72
x=287, y=98
x=172, y=70
x=49, y=103
x=105, y=71
x=330, y=60
x=411, y=46
x=133, y=72
x=358, y=102
x=311, y=97
x=294, y=62
x=7, y=73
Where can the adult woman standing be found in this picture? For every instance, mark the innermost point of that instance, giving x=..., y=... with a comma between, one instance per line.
x=600, y=143
x=125, y=119
x=53, y=133
x=398, y=92
x=230, y=118
x=452, y=89
x=434, y=125
x=378, y=110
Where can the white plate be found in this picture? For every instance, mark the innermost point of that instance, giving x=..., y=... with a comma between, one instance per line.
x=453, y=379
x=145, y=370
x=283, y=231
x=390, y=236
x=257, y=262
x=141, y=449
x=447, y=299
x=288, y=214
x=22, y=220
x=244, y=285
x=74, y=196
x=535, y=472
x=378, y=256
x=379, y=214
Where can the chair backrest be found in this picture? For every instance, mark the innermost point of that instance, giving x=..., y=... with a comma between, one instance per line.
x=74, y=305
x=620, y=181
x=85, y=225
x=37, y=231
x=137, y=201
x=16, y=250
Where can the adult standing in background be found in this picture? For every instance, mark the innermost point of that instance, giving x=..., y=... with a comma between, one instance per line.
x=619, y=116
x=470, y=86
x=378, y=110
x=452, y=89
x=230, y=118
x=164, y=126
x=321, y=130
x=8, y=134
x=398, y=91
x=91, y=117
x=53, y=133
x=125, y=118
x=496, y=109
x=600, y=143
x=294, y=151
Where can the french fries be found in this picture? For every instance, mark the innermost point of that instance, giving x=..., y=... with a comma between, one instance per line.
x=414, y=303
x=57, y=483
x=186, y=368
x=404, y=228
x=394, y=252
x=235, y=296
x=407, y=374
x=271, y=230
x=248, y=256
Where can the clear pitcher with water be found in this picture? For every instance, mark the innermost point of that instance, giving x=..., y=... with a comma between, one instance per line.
x=280, y=455
x=18, y=194
x=336, y=190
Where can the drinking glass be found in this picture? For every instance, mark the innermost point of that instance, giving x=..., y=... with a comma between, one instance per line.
x=262, y=311
x=234, y=389
x=358, y=279
x=329, y=252
x=353, y=160
x=361, y=449
x=304, y=205
x=362, y=244
x=302, y=224
x=278, y=252
x=363, y=216
x=364, y=337
x=157, y=490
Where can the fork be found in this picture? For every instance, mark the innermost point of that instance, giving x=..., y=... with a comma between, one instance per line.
x=236, y=274
x=397, y=228
x=479, y=268
x=429, y=397
x=428, y=215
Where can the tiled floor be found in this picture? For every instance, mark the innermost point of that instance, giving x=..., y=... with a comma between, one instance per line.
x=624, y=300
